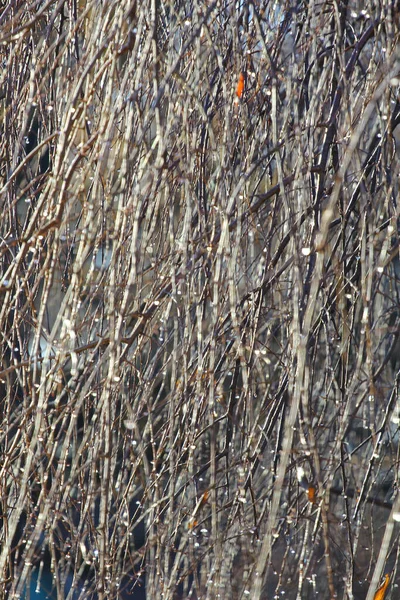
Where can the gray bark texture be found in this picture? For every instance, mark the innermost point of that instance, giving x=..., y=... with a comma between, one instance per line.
x=199, y=299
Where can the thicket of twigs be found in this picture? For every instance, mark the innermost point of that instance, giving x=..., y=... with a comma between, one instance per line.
x=199, y=299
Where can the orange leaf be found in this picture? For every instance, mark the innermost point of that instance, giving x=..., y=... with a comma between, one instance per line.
x=311, y=494
x=381, y=591
x=205, y=497
x=240, y=86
